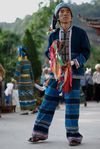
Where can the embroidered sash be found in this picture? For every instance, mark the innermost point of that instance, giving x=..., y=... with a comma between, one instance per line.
x=60, y=55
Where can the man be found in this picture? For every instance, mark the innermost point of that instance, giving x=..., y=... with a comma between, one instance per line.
x=68, y=50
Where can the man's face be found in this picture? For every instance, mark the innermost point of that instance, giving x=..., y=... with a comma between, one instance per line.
x=65, y=15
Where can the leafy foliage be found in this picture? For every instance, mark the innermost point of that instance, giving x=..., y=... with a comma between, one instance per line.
x=33, y=54
x=94, y=57
x=8, y=43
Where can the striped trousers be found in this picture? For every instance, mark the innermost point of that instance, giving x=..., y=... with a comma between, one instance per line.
x=49, y=104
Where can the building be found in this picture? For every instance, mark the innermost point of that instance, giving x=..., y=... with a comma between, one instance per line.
x=91, y=22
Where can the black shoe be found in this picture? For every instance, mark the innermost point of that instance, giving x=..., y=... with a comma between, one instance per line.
x=74, y=142
x=85, y=104
x=74, y=139
x=24, y=113
x=37, y=138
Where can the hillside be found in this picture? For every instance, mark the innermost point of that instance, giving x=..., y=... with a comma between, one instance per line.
x=18, y=26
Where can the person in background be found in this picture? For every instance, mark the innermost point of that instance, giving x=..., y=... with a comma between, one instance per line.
x=83, y=90
x=96, y=83
x=15, y=96
x=87, y=86
x=8, y=93
x=68, y=50
x=2, y=75
x=46, y=63
x=45, y=75
x=25, y=79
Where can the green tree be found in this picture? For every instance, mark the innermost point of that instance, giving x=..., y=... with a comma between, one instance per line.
x=33, y=54
x=8, y=43
x=94, y=57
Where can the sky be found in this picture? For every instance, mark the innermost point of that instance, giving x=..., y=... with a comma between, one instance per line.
x=12, y=9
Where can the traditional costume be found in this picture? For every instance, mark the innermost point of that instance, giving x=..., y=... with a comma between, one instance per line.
x=24, y=77
x=67, y=51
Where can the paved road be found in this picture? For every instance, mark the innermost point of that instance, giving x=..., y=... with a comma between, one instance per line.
x=15, y=129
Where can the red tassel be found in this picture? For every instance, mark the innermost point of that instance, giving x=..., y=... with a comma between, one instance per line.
x=67, y=87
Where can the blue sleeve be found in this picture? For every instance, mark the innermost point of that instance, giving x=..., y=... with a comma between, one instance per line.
x=47, y=52
x=85, y=49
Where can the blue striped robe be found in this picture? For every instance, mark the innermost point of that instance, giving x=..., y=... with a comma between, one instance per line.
x=24, y=77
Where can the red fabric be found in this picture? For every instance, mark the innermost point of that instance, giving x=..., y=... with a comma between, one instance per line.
x=55, y=65
x=52, y=57
x=56, y=68
x=67, y=87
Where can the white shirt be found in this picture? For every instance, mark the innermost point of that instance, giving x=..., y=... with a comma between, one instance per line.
x=96, y=77
x=9, y=89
